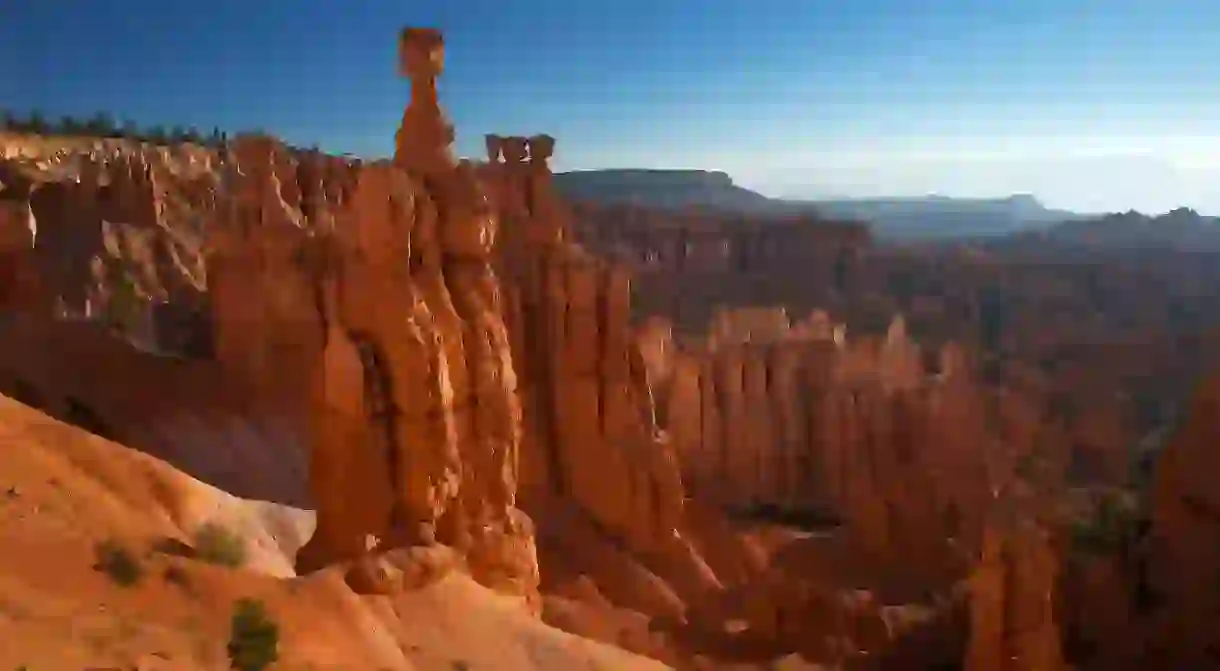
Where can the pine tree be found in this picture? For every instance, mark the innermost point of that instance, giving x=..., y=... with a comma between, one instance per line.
x=156, y=135
x=130, y=130
x=67, y=125
x=36, y=123
x=101, y=125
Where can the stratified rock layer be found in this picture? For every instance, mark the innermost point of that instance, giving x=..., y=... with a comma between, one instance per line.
x=800, y=419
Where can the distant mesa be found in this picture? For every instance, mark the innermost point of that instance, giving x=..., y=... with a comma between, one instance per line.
x=929, y=217
x=665, y=189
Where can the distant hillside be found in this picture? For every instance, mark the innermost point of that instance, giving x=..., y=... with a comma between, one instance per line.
x=932, y=217
x=1181, y=229
x=935, y=217
x=664, y=189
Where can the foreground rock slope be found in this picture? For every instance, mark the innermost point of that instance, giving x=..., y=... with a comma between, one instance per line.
x=66, y=492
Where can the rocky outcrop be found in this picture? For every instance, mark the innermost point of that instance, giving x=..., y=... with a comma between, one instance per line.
x=1012, y=602
x=598, y=476
x=354, y=312
x=703, y=240
x=689, y=263
x=109, y=330
x=1114, y=334
x=116, y=237
x=1183, y=552
x=357, y=318
x=17, y=232
x=421, y=347
x=855, y=431
x=413, y=412
x=1140, y=588
x=591, y=434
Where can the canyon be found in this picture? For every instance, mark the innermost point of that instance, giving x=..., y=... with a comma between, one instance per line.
x=471, y=419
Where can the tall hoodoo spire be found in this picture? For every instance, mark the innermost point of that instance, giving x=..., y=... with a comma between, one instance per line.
x=423, y=142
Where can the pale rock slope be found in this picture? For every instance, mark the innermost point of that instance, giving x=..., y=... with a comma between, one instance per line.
x=63, y=491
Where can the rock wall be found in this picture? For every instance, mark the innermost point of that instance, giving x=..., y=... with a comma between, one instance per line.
x=1086, y=321
x=1144, y=593
x=815, y=427
x=591, y=435
x=690, y=263
x=779, y=421
x=353, y=308
x=1013, y=624
x=1182, y=555
x=376, y=294
x=17, y=232
x=356, y=315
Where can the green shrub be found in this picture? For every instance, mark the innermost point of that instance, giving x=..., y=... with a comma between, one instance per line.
x=1110, y=530
x=216, y=544
x=125, y=304
x=116, y=561
x=253, y=637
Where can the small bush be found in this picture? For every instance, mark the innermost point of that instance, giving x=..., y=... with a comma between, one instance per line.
x=1111, y=529
x=125, y=304
x=216, y=544
x=253, y=637
x=116, y=561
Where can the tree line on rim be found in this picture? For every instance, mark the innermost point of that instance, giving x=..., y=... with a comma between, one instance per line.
x=105, y=125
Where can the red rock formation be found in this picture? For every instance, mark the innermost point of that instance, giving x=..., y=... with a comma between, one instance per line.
x=418, y=355
x=355, y=311
x=428, y=334
x=598, y=475
x=592, y=437
x=1012, y=599
x=1184, y=549
x=1114, y=333
x=856, y=430
x=17, y=232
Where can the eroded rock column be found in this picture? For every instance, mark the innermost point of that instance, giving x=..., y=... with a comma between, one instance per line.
x=417, y=304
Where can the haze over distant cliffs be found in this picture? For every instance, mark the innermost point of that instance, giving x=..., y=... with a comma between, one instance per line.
x=663, y=188
x=930, y=217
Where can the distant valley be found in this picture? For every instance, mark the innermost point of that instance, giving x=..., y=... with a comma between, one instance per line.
x=919, y=218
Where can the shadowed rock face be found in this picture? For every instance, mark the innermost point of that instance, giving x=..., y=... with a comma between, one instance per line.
x=801, y=419
x=1012, y=590
x=1114, y=333
x=1183, y=551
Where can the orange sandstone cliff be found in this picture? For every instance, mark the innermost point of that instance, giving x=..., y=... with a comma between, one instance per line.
x=357, y=359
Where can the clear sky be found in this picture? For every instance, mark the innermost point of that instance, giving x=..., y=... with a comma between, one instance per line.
x=1088, y=104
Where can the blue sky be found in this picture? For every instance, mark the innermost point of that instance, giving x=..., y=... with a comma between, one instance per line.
x=1089, y=104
